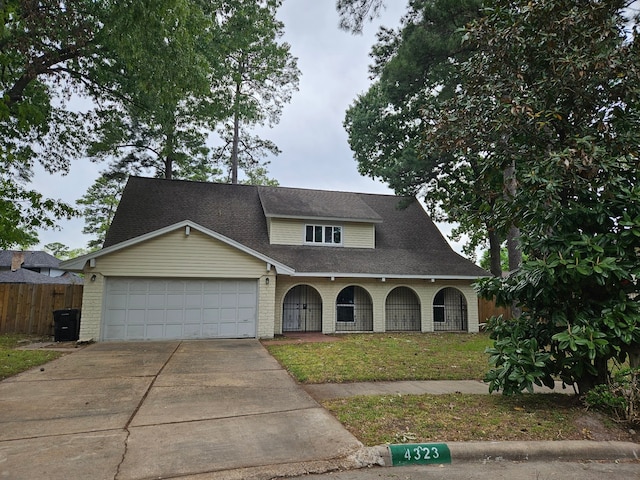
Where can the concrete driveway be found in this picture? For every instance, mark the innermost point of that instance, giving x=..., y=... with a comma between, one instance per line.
x=207, y=409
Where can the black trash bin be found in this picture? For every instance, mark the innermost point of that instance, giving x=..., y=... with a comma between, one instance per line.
x=66, y=325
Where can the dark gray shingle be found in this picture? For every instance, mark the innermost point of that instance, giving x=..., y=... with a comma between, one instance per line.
x=407, y=241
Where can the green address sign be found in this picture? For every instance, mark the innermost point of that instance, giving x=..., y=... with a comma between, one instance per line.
x=419, y=453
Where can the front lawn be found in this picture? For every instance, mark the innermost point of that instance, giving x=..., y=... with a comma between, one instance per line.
x=14, y=361
x=379, y=419
x=387, y=356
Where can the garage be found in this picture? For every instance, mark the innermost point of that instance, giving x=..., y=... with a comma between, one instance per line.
x=169, y=309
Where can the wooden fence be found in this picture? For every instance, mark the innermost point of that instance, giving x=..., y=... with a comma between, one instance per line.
x=28, y=308
x=488, y=309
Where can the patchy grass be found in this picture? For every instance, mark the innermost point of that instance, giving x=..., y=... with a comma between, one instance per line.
x=14, y=361
x=387, y=356
x=377, y=420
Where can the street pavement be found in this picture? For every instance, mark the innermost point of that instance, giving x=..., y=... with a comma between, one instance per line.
x=226, y=410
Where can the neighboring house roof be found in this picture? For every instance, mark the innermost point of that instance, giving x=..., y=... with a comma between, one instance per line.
x=407, y=243
x=23, y=275
x=32, y=259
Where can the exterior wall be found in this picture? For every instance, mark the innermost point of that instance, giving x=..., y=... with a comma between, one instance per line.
x=328, y=290
x=266, y=305
x=176, y=255
x=359, y=235
x=286, y=231
x=92, y=299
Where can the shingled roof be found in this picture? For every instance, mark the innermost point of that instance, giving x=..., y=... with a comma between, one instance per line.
x=32, y=259
x=407, y=243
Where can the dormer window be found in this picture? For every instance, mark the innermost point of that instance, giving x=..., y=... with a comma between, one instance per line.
x=323, y=234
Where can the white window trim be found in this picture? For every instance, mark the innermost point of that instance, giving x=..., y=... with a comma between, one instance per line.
x=323, y=243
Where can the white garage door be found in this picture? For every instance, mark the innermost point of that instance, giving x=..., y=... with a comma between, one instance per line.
x=157, y=309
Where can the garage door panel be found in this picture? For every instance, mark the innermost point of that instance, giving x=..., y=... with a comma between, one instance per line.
x=155, y=331
x=175, y=300
x=173, y=331
x=135, y=332
x=192, y=300
x=173, y=309
x=246, y=329
x=156, y=300
x=174, y=315
x=116, y=300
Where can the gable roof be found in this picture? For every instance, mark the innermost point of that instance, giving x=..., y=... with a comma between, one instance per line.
x=32, y=259
x=407, y=243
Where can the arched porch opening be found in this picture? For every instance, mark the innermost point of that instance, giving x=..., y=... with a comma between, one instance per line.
x=354, y=310
x=302, y=310
x=450, y=311
x=402, y=311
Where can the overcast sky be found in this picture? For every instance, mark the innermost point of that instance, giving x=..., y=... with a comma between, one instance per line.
x=315, y=151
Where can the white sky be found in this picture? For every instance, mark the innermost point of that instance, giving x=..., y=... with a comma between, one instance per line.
x=315, y=151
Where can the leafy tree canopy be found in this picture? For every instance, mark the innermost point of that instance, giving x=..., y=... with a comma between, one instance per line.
x=51, y=51
x=553, y=89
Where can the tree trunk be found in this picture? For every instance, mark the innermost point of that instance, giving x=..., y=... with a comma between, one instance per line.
x=513, y=237
x=494, y=253
x=169, y=150
x=236, y=126
x=234, y=148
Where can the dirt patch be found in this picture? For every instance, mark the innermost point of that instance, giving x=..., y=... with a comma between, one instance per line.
x=595, y=426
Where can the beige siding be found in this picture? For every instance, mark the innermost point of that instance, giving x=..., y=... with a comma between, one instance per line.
x=178, y=255
x=91, y=307
x=266, y=305
x=359, y=235
x=284, y=231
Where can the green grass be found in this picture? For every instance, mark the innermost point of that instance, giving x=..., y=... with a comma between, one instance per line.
x=376, y=420
x=14, y=361
x=388, y=356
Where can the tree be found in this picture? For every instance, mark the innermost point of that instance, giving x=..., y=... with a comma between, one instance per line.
x=353, y=13
x=62, y=252
x=553, y=91
x=249, y=151
x=415, y=69
x=50, y=51
x=99, y=205
x=262, y=73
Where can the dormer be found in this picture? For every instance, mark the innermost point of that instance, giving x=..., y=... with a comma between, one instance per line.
x=318, y=218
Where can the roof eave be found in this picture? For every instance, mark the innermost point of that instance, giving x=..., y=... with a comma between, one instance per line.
x=324, y=219
x=387, y=276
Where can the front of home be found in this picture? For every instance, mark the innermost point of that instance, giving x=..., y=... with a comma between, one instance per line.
x=186, y=260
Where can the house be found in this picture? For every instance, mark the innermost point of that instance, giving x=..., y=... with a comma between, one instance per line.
x=33, y=267
x=202, y=260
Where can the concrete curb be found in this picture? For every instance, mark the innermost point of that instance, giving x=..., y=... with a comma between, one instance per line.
x=563, y=450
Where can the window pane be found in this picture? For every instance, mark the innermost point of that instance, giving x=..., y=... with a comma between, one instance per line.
x=327, y=234
x=337, y=235
x=309, y=234
x=346, y=296
x=317, y=234
x=345, y=313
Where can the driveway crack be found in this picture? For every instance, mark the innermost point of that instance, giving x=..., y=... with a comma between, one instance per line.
x=135, y=412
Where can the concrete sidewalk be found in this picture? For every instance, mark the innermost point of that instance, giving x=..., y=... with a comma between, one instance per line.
x=329, y=391
x=129, y=411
